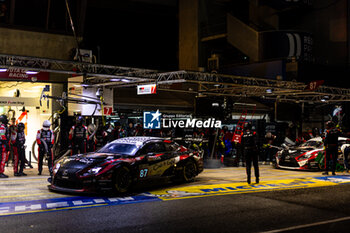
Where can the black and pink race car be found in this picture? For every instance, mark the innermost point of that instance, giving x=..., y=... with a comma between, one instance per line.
x=120, y=164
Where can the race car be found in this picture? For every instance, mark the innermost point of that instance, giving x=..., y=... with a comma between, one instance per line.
x=307, y=156
x=122, y=163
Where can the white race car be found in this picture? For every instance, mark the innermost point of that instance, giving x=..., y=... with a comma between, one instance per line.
x=307, y=156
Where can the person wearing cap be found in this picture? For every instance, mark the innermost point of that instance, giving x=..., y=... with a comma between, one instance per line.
x=4, y=140
x=45, y=139
x=78, y=136
x=250, y=151
x=331, y=146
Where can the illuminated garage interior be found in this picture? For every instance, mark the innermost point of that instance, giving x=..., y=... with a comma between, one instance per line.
x=21, y=100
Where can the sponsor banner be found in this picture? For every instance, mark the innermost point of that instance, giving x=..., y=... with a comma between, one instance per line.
x=335, y=179
x=236, y=188
x=22, y=74
x=67, y=203
x=19, y=101
x=147, y=89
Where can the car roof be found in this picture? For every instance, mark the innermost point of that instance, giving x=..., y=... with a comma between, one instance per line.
x=137, y=140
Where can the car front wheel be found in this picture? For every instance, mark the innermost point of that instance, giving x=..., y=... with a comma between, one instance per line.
x=122, y=180
x=188, y=172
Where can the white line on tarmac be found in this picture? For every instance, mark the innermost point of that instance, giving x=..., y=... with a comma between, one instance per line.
x=308, y=225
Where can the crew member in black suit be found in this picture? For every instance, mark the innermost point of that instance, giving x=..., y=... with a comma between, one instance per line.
x=250, y=151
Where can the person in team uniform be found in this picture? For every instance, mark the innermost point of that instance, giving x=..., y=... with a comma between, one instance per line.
x=17, y=140
x=4, y=140
x=250, y=151
x=45, y=139
x=331, y=146
x=78, y=137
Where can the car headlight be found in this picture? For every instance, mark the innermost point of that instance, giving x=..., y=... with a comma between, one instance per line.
x=56, y=167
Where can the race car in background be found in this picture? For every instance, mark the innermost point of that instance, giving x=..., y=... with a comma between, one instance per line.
x=120, y=164
x=307, y=156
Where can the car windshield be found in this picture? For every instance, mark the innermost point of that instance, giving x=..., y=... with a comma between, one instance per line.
x=119, y=148
x=311, y=144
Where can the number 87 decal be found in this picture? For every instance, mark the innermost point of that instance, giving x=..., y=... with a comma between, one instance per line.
x=143, y=173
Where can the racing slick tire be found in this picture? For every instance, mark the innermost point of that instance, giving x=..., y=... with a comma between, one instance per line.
x=122, y=180
x=187, y=173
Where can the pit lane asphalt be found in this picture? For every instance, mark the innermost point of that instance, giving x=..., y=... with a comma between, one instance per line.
x=34, y=187
x=252, y=212
x=255, y=212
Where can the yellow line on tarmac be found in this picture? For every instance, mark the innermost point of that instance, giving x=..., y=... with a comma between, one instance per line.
x=235, y=193
x=19, y=180
x=27, y=195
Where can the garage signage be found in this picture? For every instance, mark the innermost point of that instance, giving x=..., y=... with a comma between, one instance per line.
x=19, y=101
x=147, y=89
x=107, y=111
x=22, y=74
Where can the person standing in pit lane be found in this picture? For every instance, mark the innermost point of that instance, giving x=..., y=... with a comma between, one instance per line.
x=331, y=146
x=250, y=151
x=12, y=129
x=78, y=136
x=4, y=141
x=130, y=131
x=269, y=151
x=17, y=140
x=345, y=149
x=45, y=139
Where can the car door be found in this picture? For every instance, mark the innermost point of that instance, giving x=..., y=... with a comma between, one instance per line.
x=157, y=160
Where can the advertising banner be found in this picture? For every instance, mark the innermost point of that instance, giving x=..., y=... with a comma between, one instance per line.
x=22, y=74
x=147, y=89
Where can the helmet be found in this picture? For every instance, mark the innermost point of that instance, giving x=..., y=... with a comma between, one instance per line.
x=247, y=125
x=3, y=119
x=20, y=126
x=46, y=124
x=330, y=124
x=80, y=120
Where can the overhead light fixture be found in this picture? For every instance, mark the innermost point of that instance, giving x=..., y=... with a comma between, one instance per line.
x=125, y=80
x=115, y=80
x=215, y=104
x=81, y=85
x=3, y=70
x=31, y=72
x=325, y=98
x=269, y=91
x=216, y=85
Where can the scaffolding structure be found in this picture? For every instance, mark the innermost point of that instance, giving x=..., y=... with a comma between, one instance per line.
x=207, y=84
